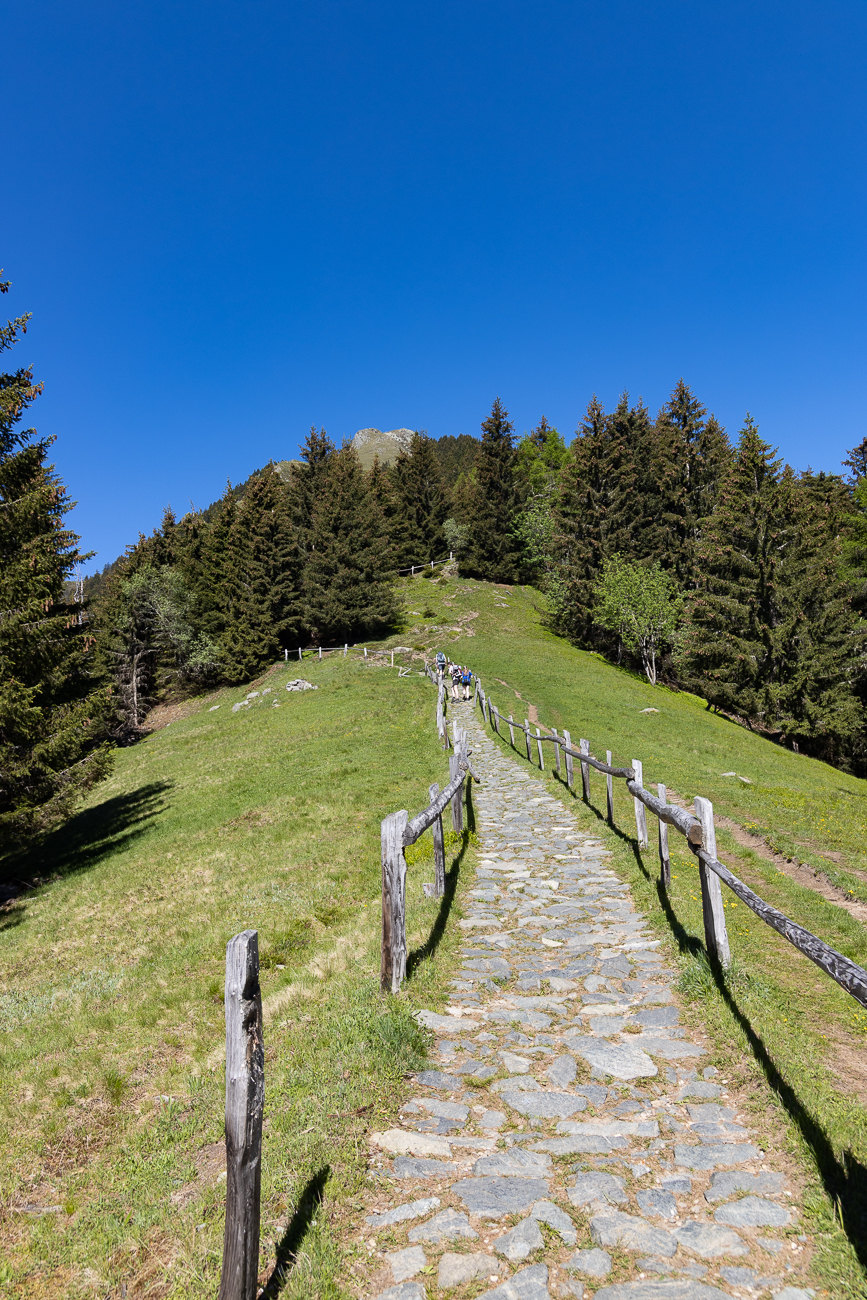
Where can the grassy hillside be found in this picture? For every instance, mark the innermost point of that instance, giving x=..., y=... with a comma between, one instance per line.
x=111, y=1080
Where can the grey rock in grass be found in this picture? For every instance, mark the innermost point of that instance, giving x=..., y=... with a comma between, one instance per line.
x=591, y=1144
x=623, y=1062
x=491, y=1119
x=437, y=1079
x=415, y=1167
x=554, y=1217
x=546, y=1105
x=606, y=1026
x=711, y=1155
x=657, y=1201
x=444, y=1109
x=597, y=1186
x=670, y=1049
x=669, y=1267
x=562, y=1071
x=727, y=1182
x=527, y=1284
x=519, y=1083
x=494, y=1197
x=794, y=1293
x=446, y=1024
x=668, y=1290
x=658, y=1017
x=594, y=1093
x=520, y=1242
x=614, y=1228
x=410, y=1210
x=490, y=965
x=679, y=1184
x=709, y=1241
x=454, y=1270
x=752, y=1212
x=445, y=1226
x=590, y=1263
x=771, y=1246
x=514, y=1163
x=710, y=1112
x=513, y=1063
x=406, y=1263
x=699, y=1088
x=404, y=1291
x=477, y=1069
x=738, y=1275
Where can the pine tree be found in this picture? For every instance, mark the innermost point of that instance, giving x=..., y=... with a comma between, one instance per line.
x=494, y=552
x=421, y=499
x=347, y=585
x=396, y=538
x=305, y=482
x=52, y=735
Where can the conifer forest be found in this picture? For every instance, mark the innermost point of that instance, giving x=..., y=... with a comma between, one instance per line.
x=664, y=542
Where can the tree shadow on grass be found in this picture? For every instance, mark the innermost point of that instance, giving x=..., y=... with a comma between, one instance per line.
x=296, y=1230
x=85, y=839
x=844, y=1177
x=429, y=947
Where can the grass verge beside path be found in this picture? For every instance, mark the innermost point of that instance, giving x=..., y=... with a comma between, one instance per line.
x=111, y=1015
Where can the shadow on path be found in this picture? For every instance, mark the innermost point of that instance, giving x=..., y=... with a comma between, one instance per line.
x=429, y=947
x=296, y=1230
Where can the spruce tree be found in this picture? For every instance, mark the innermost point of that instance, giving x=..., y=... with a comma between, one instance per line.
x=348, y=590
x=385, y=500
x=422, y=501
x=494, y=552
x=52, y=734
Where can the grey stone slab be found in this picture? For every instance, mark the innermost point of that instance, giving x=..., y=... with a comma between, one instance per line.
x=404, y=1291
x=771, y=1246
x=446, y=1024
x=445, y=1226
x=678, y=1184
x=544, y=1105
x=679, y=1289
x=719, y=1132
x=410, y=1210
x=738, y=1275
x=613, y=1058
x=752, y=1212
x=437, y=1079
x=444, y=1109
x=607, y=1026
x=730, y=1181
x=514, y=1163
x=493, y=1197
x=710, y=1241
x=670, y=1049
x=708, y=1157
x=614, y=1228
x=517, y=1083
x=670, y=1267
x=548, y=1212
x=699, y=1088
x=710, y=1113
x=527, y=1284
x=590, y=1263
x=594, y=1092
x=657, y=1201
x=513, y=1063
x=520, y=1242
x=455, y=1270
x=794, y=1293
x=415, y=1167
x=406, y=1263
x=477, y=1069
x=597, y=1186
x=582, y=1144
x=658, y=1017
x=562, y=1071
x=491, y=1119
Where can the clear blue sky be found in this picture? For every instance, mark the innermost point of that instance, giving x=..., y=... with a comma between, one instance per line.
x=232, y=221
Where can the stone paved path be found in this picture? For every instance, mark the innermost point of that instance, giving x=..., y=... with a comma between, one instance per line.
x=570, y=1141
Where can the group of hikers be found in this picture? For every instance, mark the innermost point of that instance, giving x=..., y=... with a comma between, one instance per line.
x=461, y=675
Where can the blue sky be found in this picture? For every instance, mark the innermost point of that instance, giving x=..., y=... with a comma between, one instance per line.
x=232, y=221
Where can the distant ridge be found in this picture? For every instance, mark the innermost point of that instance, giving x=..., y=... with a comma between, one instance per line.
x=370, y=443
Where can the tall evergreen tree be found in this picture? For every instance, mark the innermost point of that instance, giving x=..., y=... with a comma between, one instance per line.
x=348, y=590
x=396, y=540
x=421, y=499
x=52, y=736
x=306, y=482
x=494, y=551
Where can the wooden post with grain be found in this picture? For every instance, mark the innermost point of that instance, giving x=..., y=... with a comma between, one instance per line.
x=512, y=730
x=539, y=747
x=439, y=884
x=570, y=771
x=393, y=962
x=584, y=747
x=715, y=933
x=457, y=804
x=245, y=1104
x=556, y=751
x=664, y=859
x=640, y=813
x=527, y=738
x=609, y=791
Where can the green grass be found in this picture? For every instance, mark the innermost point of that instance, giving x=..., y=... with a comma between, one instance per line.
x=111, y=1015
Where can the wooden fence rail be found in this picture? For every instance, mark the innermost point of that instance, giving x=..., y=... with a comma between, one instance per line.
x=700, y=836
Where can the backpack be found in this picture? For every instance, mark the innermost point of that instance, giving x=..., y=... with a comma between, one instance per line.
x=467, y=678
x=441, y=659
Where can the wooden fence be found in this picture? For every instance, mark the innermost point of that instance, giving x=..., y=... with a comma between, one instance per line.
x=700, y=836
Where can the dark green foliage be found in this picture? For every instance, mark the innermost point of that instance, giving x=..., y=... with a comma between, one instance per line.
x=347, y=582
x=52, y=729
x=494, y=551
x=456, y=456
x=421, y=502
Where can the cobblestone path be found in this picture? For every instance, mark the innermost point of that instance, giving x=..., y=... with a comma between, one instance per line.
x=570, y=1142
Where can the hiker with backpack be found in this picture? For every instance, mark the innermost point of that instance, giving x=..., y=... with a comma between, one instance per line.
x=457, y=674
x=441, y=663
x=466, y=681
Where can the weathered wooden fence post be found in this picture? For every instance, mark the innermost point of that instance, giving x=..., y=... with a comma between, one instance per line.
x=527, y=737
x=439, y=887
x=584, y=747
x=609, y=790
x=245, y=1103
x=715, y=933
x=664, y=859
x=570, y=770
x=454, y=770
x=539, y=747
x=512, y=730
x=640, y=812
x=556, y=751
x=393, y=964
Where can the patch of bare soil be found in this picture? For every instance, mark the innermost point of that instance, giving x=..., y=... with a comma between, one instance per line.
x=162, y=714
